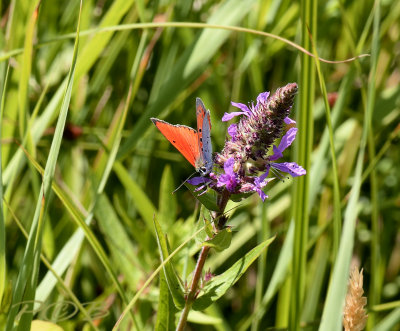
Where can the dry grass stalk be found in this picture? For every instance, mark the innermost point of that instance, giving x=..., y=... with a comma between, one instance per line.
x=354, y=315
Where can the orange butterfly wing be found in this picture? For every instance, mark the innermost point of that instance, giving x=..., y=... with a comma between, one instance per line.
x=184, y=139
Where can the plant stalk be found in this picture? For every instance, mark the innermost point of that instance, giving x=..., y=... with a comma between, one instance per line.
x=193, y=288
x=191, y=296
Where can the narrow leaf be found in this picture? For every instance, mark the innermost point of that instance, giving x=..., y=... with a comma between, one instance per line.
x=26, y=67
x=208, y=199
x=27, y=278
x=38, y=325
x=331, y=317
x=208, y=228
x=389, y=322
x=166, y=309
x=174, y=284
x=221, y=240
x=2, y=222
x=167, y=205
x=143, y=204
x=201, y=318
x=124, y=253
x=217, y=286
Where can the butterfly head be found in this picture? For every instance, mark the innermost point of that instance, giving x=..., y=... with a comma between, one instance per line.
x=204, y=167
x=203, y=171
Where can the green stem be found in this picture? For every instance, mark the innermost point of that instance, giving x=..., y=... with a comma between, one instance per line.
x=193, y=288
x=222, y=200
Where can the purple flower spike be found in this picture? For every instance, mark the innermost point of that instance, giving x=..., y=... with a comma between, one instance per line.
x=292, y=168
x=229, y=178
x=245, y=161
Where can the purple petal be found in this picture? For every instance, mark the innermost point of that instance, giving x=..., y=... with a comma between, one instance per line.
x=241, y=106
x=286, y=141
x=198, y=180
x=228, y=116
x=277, y=154
x=260, y=181
x=292, y=168
x=232, y=130
x=288, y=120
x=262, y=195
x=228, y=166
x=288, y=138
x=222, y=180
x=228, y=179
x=262, y=97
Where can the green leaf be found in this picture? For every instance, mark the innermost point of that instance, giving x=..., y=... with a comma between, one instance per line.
x=2, y=221
x=167, y=205
x=38, y=325
x=25, y=285
x=389, y=322
x=124, y=253
x=202, y=235
x=208, y=228
x=174, y=285
x=166, y=309
x=93, y=48
x=331, y=316
x=221, y=240
x=204, y=319
x=143, y=204
x=239, y=197
x=27, y=65
x=208, y=199
x=204, y=226
x=217, y=286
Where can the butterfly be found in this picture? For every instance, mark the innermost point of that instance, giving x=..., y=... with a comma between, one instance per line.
x=194, y=145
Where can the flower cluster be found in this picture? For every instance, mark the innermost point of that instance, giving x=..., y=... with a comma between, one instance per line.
x=245, y=161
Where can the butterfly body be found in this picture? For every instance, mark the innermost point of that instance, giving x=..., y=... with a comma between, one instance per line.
x=194, y=145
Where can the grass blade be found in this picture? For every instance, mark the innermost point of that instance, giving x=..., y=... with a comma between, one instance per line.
x=2, y=222
x=26, y=68
x=166, y=308
x=27, y=278
x=190, y=65
x=331, y=318
x=303, y=151
x=175, y=287
x=337, y=219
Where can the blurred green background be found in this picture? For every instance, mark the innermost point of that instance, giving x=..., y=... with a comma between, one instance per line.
x=115, y=171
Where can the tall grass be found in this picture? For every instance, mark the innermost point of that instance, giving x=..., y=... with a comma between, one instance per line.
x=80, y=202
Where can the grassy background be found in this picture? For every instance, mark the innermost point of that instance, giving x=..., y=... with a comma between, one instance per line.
x=113, y=171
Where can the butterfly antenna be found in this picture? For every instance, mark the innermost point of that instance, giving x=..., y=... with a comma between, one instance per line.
x=279, y=175
x=183, y=182
x=226, y=212
x=239, y=205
